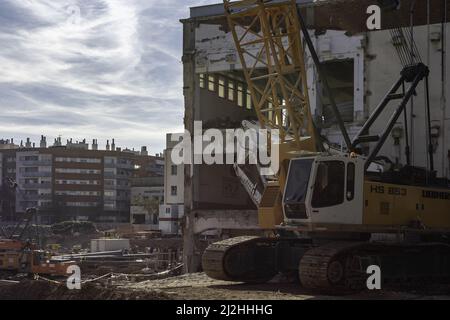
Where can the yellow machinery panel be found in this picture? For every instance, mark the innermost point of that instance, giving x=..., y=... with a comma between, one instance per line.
x=400, y=205
x=270, y=212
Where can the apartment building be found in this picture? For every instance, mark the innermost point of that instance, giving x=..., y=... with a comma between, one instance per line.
x=172, y=211
x=75, y=182
x=7, y=170
x=147, y=194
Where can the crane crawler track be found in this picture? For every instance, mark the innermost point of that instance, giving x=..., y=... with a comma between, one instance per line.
x=342, y=267
x=241, y=259
x=322, y=268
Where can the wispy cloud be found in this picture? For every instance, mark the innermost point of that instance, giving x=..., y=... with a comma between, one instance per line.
x=92, y=69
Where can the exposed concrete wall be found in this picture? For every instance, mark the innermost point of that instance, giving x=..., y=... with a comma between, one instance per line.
x=225, y=219
x=217, y=188
x=213, y=108
x=332, y=46
x=216, y=51
x=383, y=68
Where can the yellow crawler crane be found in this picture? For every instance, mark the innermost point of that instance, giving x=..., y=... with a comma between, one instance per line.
x=327, y=210
x=268, y=41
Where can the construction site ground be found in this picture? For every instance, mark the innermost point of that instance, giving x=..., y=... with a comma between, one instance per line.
x=196, y=287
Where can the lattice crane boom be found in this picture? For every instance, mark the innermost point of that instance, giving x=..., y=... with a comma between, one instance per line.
x=267, y=37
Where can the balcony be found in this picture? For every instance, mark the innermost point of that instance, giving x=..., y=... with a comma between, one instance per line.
x=109, y=175
x=35, y=163
x=35, y=174
x=34, y=197
x=46, y=185
x=110, y=165
x=127, y=166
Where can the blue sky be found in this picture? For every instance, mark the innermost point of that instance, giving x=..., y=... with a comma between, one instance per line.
x=92, y=69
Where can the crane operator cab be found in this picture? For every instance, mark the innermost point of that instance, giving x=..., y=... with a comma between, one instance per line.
x=324, y=190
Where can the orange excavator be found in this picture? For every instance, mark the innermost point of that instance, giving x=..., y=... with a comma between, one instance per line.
x=19, y=256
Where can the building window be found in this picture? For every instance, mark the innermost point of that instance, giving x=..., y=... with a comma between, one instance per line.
x=221, y=87
x=78, y=182
x=78, y=160
x=109, y=205
x=211, y=83
x=174, y=170
x=249, y=100
x=202, y=80
x=110, y=160
x=174, y=191
x=78, y=193
x=230, y=90
x=77, y=171
x=82, y=204
x=110, y=194
x=29, y=158
x=240, y=95
x=342, y=88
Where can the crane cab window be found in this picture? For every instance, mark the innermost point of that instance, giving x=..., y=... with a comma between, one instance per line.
x=297, y=188
x=330, y=184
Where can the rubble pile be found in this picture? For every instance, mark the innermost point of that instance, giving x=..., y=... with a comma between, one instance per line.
x=43, y=290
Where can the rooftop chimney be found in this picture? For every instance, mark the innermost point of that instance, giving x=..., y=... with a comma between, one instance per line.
x=113, y=145
x=58, y=142
x=107, y=145
x=28, y=143
x=43, y=142
x=144, y=151
x=94, y=144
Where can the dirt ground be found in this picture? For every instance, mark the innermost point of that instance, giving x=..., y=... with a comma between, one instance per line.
x=195, y=287
x=199, y=286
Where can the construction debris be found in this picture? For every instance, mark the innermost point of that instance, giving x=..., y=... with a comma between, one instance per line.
x=189, y=287
x=44, y=290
